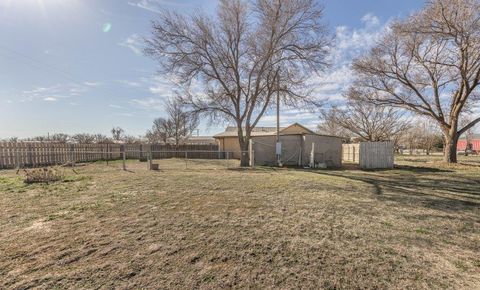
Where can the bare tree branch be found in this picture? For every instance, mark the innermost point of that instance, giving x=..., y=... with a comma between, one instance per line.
x=241, y=55
x=430, y=65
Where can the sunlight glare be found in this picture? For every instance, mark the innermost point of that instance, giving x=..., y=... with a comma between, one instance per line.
x=106, y=27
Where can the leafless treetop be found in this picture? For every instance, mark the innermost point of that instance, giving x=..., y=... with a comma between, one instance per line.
x=429, y=64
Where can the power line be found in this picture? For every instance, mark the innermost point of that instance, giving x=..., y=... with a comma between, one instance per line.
x=40, y=64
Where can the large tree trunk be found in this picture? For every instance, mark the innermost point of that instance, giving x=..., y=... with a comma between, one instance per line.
x=244, y=143
x=450, y=150
x=245, y=158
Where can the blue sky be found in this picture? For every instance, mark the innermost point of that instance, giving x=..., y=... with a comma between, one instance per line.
x=75, y=65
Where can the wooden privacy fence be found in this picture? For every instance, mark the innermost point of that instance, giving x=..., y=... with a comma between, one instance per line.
x=35, y=154
x=370, y=155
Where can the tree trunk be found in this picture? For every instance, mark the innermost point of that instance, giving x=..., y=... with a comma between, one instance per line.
x=243, y=141
x=244, y=157
x=450, y=150
x=245, y=160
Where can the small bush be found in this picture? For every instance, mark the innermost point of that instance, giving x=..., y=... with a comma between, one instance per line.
x=42, y=175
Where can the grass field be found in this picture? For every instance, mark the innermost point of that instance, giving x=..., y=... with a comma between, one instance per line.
x=415, y=227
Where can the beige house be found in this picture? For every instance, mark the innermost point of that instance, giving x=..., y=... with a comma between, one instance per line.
x=297, y=143
x=228, y=140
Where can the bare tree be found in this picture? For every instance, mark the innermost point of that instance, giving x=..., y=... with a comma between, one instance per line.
x=129, y=139
x=429, y=64
x=368, y=122
x=423, y=135
x=411, y=139
x=83, y=138
x=431, y=136
x=160, y=131
x=38, y=138
x=102, y=139
x=60, y=138
x=180, y=123
x=178, y=126
x=117, y=133
x=329, y=126
x=57, y=137
x=243, y=57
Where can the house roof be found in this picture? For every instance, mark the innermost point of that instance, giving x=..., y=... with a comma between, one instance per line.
x=294, y=129
x=231, y=131
x=192, y=140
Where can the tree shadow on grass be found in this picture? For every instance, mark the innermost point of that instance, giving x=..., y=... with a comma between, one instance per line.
x=420, y=169
x=418, y=187
x=473, y=164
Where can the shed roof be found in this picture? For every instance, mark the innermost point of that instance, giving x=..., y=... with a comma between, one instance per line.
x=231, y=131
x=294, y=129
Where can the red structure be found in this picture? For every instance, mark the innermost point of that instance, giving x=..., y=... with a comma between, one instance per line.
x=474, y=141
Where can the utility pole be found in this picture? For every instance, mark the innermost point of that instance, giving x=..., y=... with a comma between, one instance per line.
x=278, y=116
x=278, y=145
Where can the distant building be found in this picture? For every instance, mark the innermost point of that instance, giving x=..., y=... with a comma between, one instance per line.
x=474, y=141
x=199, y=140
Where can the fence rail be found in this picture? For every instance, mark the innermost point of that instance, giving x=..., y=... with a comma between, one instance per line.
x=37, y=154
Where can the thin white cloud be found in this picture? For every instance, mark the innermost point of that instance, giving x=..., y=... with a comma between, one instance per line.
x=155, y=104
x=155, y=6
x=115, y=106
x=158, y=85
x=370, y=20
x=134, y=42
x=290, y=116
x=161, y=87
x=349, y=44
x=77, y=90
x=92, y=84
x=130, y=83
x=57, y=92
x=126, y=114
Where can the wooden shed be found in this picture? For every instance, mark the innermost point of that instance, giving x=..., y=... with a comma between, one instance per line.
x=298, y=145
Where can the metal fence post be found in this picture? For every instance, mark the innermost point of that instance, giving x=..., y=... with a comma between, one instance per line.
x=228, y=163
x=17, y=159
x=30, y=162
x=108, y=153
x=72, y=155
x=150, y=160
x=186, y=159
x=123, y=157
x=251, y=153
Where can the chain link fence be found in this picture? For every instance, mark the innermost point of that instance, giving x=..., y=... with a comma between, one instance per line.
x=124, y=160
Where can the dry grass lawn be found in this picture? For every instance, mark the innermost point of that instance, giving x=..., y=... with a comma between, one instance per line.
x=415, y=227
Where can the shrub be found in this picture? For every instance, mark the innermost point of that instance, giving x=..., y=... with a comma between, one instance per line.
x=42, y=175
